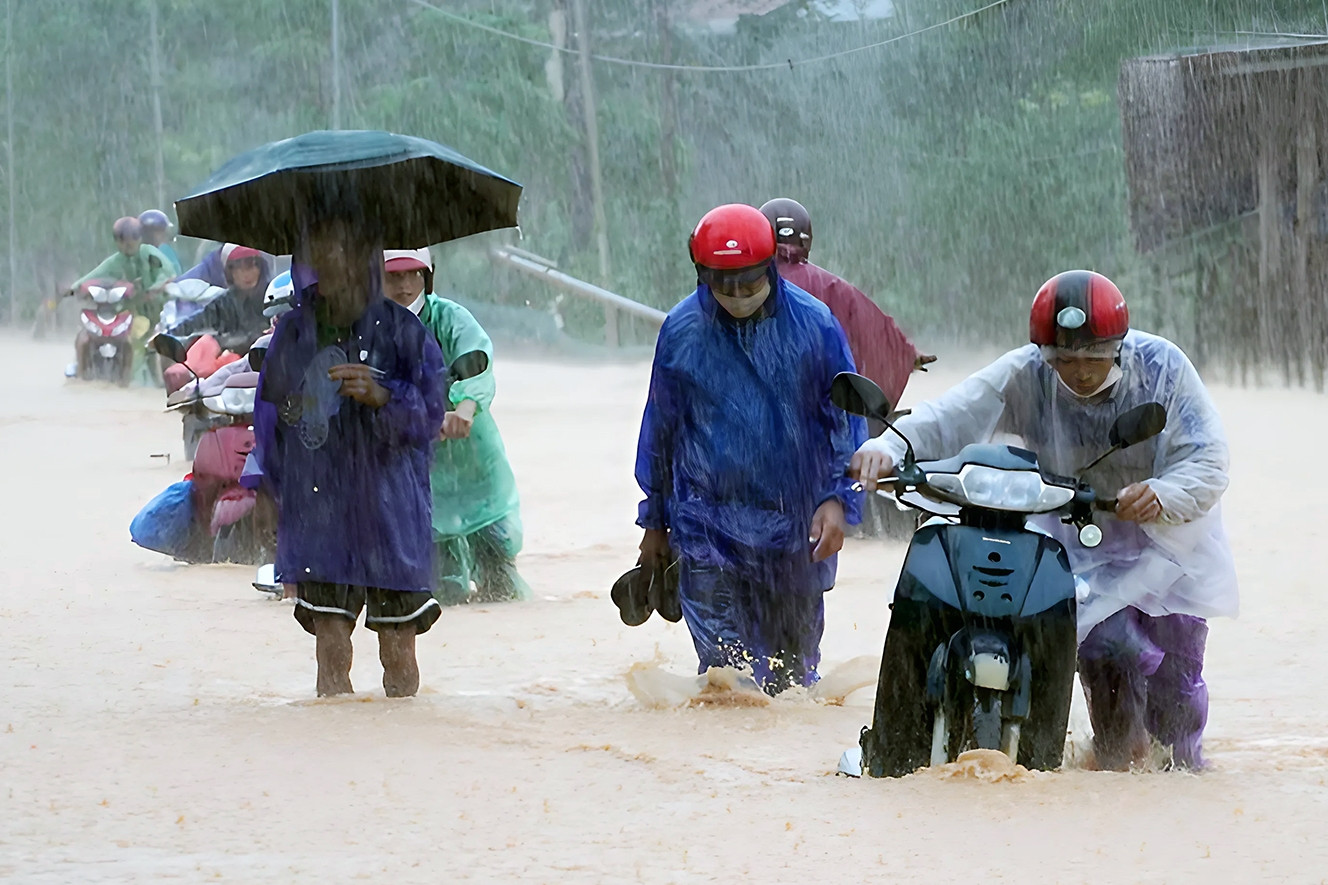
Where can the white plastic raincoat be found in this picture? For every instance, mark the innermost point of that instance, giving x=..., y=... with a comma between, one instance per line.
x=1181, y=564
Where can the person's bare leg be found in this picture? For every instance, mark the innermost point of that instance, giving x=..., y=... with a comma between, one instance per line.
x=396, y=651
x=334, y=650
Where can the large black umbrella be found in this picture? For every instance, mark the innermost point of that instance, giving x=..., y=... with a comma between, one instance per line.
x=409, y=191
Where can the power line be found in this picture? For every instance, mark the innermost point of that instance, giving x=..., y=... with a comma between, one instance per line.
x=704, y=68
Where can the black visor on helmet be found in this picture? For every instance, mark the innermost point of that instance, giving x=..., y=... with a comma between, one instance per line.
x=728, y=281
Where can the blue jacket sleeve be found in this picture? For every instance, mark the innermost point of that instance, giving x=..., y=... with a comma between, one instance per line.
x=414, y=413
x=847, y=431
x=654, y=448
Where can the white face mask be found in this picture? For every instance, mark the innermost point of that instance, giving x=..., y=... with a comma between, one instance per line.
x=417, y=305
x=1112, y=377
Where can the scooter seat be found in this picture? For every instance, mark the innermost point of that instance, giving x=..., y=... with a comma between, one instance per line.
x=243, y=380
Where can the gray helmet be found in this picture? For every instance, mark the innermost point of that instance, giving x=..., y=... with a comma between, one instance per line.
x=156, y=219
x=793, y=224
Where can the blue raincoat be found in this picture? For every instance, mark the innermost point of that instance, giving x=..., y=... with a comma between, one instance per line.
x=355, y=506
x=739, y=446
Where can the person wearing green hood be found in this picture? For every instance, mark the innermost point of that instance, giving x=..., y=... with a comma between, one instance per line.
x=476, y=509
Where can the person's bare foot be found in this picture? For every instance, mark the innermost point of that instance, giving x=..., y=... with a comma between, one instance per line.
x=396, y=652
x=334, y=650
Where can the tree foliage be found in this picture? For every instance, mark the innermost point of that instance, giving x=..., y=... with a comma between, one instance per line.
x=948, y=173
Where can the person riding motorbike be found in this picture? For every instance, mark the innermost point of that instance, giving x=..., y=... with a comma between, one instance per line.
x=213, y=267
x=147, y=269
x=157, y=232
x=881, y=351
x=476, y=510
x=1164, y=564
x=136, y=262
x=235, y=317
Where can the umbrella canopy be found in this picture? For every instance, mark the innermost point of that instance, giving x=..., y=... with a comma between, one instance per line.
x=411, y=191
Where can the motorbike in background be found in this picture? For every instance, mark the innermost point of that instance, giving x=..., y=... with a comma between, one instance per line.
x=184, y=298
x=102, y=346
x=230, y=522
x=203, y=373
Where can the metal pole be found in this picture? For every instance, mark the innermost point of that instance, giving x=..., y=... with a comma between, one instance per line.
x=539, y=269
x=9, y=159
x=155, y=60
x=336, y=64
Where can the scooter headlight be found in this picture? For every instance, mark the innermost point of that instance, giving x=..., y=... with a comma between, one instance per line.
x=122, y=327
x=90, y=324
x=1019, y=491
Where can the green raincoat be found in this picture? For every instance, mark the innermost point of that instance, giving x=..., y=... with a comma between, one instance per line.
x=476, y=509
x=147, y=270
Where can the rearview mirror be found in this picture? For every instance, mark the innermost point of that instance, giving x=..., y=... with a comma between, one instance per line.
x=255, y=357
x=170, y=347
x=468, y=365
x=858, y=395
x=1138, y=424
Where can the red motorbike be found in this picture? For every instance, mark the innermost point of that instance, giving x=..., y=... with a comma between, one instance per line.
x=102, y=345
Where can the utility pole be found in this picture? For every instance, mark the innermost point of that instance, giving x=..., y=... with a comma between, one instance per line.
x=9, y=159
x=592, y=140
x=336, y=64
x=155, y=61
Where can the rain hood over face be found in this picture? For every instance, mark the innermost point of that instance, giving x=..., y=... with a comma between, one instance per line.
x=739, y=443
x=1179, y=565
x=352, y=481
x=881, y=350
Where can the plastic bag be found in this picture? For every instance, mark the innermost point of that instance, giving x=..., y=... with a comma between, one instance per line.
x=165, y=522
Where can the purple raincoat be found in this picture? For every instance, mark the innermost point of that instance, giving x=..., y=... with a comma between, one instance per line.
x=355, y=508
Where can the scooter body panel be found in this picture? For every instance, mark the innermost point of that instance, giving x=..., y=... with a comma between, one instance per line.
x=1013, y=583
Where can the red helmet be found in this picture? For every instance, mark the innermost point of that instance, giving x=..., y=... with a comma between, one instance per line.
x=1076, y=308
x=235, y=252
x=731, y=237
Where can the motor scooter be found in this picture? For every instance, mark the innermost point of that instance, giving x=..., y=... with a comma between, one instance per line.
x=203, y=373
x=232, y=523
x=102, y=346
x=980, y=651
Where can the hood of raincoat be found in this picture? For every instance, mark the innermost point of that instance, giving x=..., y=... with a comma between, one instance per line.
x=213, y=269
x=739, y=442
x=1179, y=565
